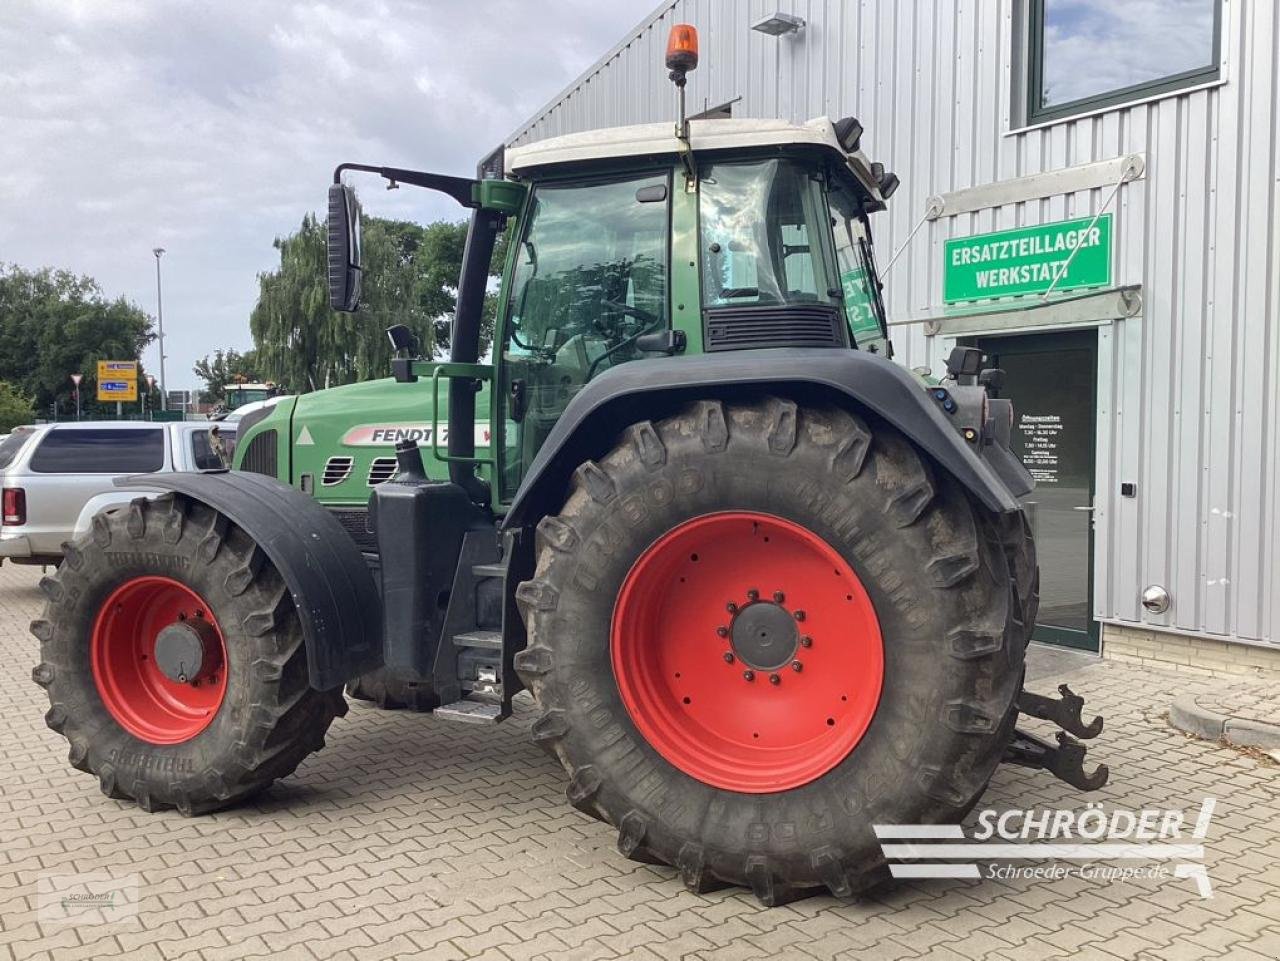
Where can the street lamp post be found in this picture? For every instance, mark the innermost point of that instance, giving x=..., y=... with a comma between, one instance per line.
x=159, y=251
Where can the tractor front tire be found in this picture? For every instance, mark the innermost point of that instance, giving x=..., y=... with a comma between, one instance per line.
x=757, y=630
x=174, y=661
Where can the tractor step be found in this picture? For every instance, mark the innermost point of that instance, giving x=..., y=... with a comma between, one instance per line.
x=471, y=712
x=485, y=640
x=496, y=569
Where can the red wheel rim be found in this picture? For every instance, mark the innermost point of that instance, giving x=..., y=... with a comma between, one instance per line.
x=736, y=592
x=122, y=650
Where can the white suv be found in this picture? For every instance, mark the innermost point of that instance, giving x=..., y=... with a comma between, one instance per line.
x=55, y=477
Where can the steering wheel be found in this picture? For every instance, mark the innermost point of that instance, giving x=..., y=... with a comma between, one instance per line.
x=646, y=317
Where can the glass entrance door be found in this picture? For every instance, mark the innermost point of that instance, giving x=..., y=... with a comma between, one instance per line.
x=1052, y=380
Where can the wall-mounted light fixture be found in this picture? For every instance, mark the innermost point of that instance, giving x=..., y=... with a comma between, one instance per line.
x=778, y=24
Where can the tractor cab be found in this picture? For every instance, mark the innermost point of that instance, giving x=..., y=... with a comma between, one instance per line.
x=636, y=243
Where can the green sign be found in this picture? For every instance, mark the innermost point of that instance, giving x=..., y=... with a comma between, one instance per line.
x=859, y=306
x=1026, y=260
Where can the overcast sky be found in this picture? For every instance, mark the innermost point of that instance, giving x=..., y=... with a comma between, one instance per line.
x=209, y=128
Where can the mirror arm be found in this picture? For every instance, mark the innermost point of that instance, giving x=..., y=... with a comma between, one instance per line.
x=459, y=188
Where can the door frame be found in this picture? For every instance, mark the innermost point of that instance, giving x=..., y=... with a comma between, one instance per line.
x=1038, y=341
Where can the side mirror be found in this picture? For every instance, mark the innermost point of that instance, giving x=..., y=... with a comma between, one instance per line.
x=344, y=248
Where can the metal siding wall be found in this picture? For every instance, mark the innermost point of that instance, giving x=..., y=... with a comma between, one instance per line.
x=1191, y=389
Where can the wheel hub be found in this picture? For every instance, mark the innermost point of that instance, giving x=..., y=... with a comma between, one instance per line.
x=182, y=649
x=747, y=652
x=764, y=636
x=159, y=659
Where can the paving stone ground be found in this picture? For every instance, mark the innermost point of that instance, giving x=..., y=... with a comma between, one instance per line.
x=411, y=837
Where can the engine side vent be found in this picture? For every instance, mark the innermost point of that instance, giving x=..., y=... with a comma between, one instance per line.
x=260, y=454
x=381, y=470
x=355, y=521
x=336, y=470
x=795, y=325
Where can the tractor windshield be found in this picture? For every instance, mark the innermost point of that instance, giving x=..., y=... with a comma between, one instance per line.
x=765, y=236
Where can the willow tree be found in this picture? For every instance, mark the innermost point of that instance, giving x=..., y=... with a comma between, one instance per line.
x=410, y=276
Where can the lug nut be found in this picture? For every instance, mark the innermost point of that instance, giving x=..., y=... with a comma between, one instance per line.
x=799, y=615
x=728, y=657
x=779, y=597
x=774, y=679
x=797, y=666
x=753, y=595
x=806, y=641
x=748, y=675
x=731, y=607
x=722, y=631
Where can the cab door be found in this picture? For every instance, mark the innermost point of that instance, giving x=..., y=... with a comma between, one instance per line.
x=589, y=280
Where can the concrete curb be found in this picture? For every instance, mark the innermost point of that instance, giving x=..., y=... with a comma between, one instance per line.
x=1187, y=714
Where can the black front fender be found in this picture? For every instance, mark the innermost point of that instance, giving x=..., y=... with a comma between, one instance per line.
x=650, y=388
x=327, y=577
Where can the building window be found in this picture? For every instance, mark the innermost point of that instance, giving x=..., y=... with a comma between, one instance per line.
x=1086, y=54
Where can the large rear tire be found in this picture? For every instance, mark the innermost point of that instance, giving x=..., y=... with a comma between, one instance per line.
x=174, y=660
x=734, y=539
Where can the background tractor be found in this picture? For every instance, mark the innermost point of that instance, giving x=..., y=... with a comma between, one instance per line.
x=766, y=589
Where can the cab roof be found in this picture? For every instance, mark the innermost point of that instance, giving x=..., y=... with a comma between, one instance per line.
x=658, y=139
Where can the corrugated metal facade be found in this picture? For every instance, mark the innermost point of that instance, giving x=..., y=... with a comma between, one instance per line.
x=1189, y=390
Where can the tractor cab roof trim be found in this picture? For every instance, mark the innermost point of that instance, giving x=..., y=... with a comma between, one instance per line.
x=657, y=139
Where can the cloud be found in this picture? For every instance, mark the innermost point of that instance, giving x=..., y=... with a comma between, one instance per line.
x=210, y=128
x=1094, y=47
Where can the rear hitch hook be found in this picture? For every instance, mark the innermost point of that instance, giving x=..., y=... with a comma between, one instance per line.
x=1064, y=712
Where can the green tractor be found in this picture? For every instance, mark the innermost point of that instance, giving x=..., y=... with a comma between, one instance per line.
x=765, y=588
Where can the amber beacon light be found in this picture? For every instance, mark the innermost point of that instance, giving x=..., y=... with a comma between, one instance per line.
x=682, y=48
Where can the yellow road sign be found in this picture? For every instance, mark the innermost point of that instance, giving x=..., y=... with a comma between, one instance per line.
x=118, y=380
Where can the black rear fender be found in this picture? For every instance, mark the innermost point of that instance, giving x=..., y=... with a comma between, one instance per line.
x=859, y=380
x=331, y=585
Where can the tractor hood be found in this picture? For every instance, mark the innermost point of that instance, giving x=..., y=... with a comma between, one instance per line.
x=345, y=437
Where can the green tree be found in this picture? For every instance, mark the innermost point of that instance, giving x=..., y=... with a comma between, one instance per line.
x=15, y=409
x=410, y=275
x=54, y=324
x=224, y=367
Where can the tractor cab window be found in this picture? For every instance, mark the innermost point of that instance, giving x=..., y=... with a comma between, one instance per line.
x=764, y=236
x=859, y=280
x=589, y=282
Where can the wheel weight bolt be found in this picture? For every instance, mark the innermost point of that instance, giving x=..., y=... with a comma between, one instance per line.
x=775, y=679
x=748, y=675
x=797, y=666
x=722, y=631
x=806, y=641
x=753, y=595
x=728, y=657
x=779, y=597
x=731, y=607
x=799, y=615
